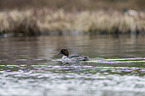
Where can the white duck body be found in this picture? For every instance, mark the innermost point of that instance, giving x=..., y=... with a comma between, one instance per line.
x=72, y=58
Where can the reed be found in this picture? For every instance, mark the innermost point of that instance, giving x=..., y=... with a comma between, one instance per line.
x=44, y=21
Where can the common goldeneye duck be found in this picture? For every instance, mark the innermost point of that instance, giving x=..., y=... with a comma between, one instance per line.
x=70, y=58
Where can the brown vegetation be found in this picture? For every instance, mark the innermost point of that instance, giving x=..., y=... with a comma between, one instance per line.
x=45, y=21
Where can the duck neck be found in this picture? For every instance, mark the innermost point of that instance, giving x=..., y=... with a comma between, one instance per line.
x=66, y=55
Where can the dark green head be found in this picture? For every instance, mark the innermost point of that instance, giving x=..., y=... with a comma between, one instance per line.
x=64, y=52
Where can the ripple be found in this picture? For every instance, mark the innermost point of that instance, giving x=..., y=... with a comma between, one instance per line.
x=73, y=78
x=118, y=60
x=138, y=58
x=21, y=60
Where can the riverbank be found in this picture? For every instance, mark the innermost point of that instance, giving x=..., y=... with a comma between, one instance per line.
x=41, y=22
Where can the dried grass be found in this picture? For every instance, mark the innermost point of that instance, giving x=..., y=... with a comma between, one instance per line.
x=36, y=22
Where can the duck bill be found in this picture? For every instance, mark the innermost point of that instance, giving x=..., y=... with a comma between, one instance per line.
x=59, y=53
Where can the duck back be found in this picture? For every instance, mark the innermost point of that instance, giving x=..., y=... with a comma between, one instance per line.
x=79, y=57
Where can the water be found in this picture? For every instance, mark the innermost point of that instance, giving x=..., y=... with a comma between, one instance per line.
x=30, y=66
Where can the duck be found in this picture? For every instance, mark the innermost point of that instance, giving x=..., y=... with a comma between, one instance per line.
x=72, y=58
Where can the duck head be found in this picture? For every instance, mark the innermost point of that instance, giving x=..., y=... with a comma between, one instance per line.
x=64, y=52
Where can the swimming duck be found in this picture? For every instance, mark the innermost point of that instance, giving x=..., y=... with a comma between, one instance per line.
x=72, y=58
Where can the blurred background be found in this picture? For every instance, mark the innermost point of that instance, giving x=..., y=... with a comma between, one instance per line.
x=59, y=17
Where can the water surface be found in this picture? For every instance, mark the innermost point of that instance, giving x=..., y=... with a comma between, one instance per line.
x=30, y=66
